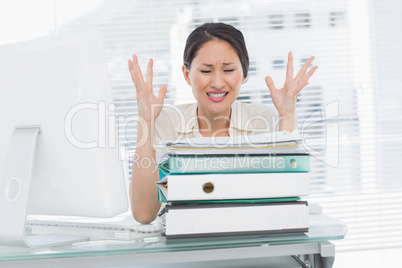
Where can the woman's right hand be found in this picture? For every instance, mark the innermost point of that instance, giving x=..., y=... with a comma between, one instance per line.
x=149, y=106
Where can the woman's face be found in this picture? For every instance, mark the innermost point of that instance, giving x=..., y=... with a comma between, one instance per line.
x=215, y=76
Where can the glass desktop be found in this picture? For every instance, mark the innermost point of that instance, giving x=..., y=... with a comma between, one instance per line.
x=322, y=228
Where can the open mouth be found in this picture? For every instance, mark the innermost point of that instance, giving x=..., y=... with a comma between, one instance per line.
x=217, y=95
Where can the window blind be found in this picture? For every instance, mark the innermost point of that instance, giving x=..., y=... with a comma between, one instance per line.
x=348, y=114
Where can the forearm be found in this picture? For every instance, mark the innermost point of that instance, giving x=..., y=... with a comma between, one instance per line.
x=143, y=191
x=286, y=122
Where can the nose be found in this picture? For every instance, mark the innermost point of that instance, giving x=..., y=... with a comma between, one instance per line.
x=218, y=81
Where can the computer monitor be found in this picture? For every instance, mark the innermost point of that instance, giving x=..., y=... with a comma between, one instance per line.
x=57, y=121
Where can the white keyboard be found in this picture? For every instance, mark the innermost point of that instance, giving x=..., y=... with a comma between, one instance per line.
x=95, y=230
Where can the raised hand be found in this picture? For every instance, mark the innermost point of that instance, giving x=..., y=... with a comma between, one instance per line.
x=285, y=98
x=149, y=106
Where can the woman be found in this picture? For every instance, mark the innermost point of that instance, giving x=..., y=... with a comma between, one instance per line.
x=215, y=65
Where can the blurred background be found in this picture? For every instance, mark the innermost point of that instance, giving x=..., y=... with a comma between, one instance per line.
x=350, y=114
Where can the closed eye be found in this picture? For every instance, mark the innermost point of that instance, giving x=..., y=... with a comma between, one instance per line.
x=228, y=71
x=205, y=72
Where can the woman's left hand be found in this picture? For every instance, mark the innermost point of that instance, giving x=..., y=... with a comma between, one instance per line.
x=285, y=98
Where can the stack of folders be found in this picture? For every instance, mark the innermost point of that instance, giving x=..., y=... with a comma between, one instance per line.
x=233, y=187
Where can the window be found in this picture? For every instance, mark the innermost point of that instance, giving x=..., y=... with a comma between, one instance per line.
x=252, y=69
x=231, y=21
x=336, y=19
x=275, y=22
x=355, y=174
x=302, y=20
x=278, y=63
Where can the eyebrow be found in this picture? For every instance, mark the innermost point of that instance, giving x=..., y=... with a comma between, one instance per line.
x=224, y=63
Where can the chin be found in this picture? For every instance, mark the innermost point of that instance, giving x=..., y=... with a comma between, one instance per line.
x=219, y=108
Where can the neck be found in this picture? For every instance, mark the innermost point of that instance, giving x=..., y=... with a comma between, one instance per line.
x=212, y=125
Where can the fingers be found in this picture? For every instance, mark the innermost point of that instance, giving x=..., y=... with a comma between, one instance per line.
x=289, y=68
x=303, y=70
x=300, y=87
x=133, y=73
x=270, y=83
x=310, y=73
x=304, y=81
x=162, y=93
x=137, y=77
x=130, y=68
x=135, y=70
x=302, y=78
x=149, y=74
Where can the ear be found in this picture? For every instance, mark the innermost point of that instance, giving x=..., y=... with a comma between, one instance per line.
x=186, y=74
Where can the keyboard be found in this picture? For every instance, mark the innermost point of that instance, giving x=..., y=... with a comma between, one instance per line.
x=121, y=230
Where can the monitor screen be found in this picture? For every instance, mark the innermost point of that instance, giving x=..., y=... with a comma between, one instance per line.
x=61, y=85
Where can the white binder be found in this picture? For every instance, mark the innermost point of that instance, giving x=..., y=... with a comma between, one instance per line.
x=234, y=186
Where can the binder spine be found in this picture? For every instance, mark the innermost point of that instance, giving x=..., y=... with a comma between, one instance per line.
x=235, y=164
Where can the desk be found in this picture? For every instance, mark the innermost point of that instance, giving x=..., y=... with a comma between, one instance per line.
x=156, y=251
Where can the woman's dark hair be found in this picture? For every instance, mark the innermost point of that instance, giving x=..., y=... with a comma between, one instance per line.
x=210, y=31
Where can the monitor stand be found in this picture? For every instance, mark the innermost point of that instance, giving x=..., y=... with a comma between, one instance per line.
x=14, y=193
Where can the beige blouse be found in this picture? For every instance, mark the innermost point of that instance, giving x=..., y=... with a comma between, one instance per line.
x=178, y=122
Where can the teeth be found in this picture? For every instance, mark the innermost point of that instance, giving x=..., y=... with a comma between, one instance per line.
x=220, y=95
